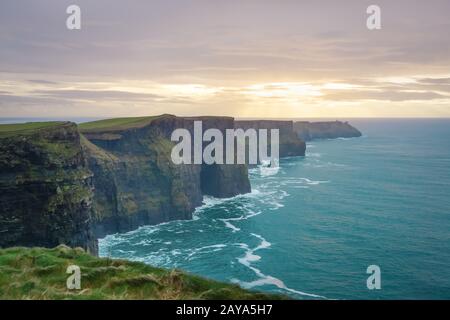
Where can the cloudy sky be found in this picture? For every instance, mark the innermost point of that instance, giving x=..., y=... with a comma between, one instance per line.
x=246, y=58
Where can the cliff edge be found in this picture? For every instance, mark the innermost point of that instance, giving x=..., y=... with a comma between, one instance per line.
x=325, y=130
x=45, y=187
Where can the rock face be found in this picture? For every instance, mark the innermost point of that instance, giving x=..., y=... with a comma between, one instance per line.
x=63, y=184
x=290, y=144
x=45, y=188
x=325, y=130
x=136, y=182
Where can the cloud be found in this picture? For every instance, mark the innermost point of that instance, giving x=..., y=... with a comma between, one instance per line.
x=221, y=56
x=104, y=95
x=10, y=99
x=46, y=82
x=159, y=40
x=385, y=95
x=433, y=81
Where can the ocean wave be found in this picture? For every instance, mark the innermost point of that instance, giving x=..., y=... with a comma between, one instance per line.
x=323, y=164
x=230, y=225
x=313, y=182
x=263, y=279
x=314, y=154
x=268, y=171
x=249, y=214
x=210, y=248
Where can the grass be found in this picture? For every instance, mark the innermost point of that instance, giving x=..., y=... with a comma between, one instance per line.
x=116, y=124
x=26, y=128
x=38, y=273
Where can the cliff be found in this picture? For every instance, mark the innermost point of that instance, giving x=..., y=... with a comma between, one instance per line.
x=63, y=184
x=45, y=187
x=325, y=130
x=60, y=186
x=39, y=273
x=135, y=181
x=289, y=143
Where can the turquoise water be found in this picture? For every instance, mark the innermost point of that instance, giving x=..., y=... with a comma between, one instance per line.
x=311, y=228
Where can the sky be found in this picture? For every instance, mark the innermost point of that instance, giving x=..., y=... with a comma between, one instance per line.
x=242, y=58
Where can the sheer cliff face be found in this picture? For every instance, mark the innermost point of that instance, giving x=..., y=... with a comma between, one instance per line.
x=136, y=182
x=62, y=187
x=59, y=186
x=325, y=130
x=221, y=180
x=290, y=144
x=45, y=189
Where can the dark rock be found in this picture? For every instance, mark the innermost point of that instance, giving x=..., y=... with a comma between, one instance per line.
x=325, y=130
x=290, y=144
x=136, y=183
x=45, y=189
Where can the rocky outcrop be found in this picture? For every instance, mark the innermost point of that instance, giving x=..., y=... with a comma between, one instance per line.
x=45, y=187
x=289, y=142
x=136, y=182
x=325, y=130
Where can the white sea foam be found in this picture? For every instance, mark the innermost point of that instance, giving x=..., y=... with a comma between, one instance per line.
x=313, y=182
x=230, y=225
x=144, y=242
x=209, y=201
x=314, y=154
x=320, y=164
x=269, y=280
x=250, y=214
x=268, y=171
x=210, y=248
x=263, y=279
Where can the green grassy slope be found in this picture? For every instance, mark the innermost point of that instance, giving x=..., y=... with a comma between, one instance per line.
x=38, y=273
x=116, y=124
x=26, y=128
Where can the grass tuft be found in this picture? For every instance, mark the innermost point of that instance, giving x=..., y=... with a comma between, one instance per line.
x=39, y=273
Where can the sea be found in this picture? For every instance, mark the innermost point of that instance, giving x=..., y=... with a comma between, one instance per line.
x=311, y=227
